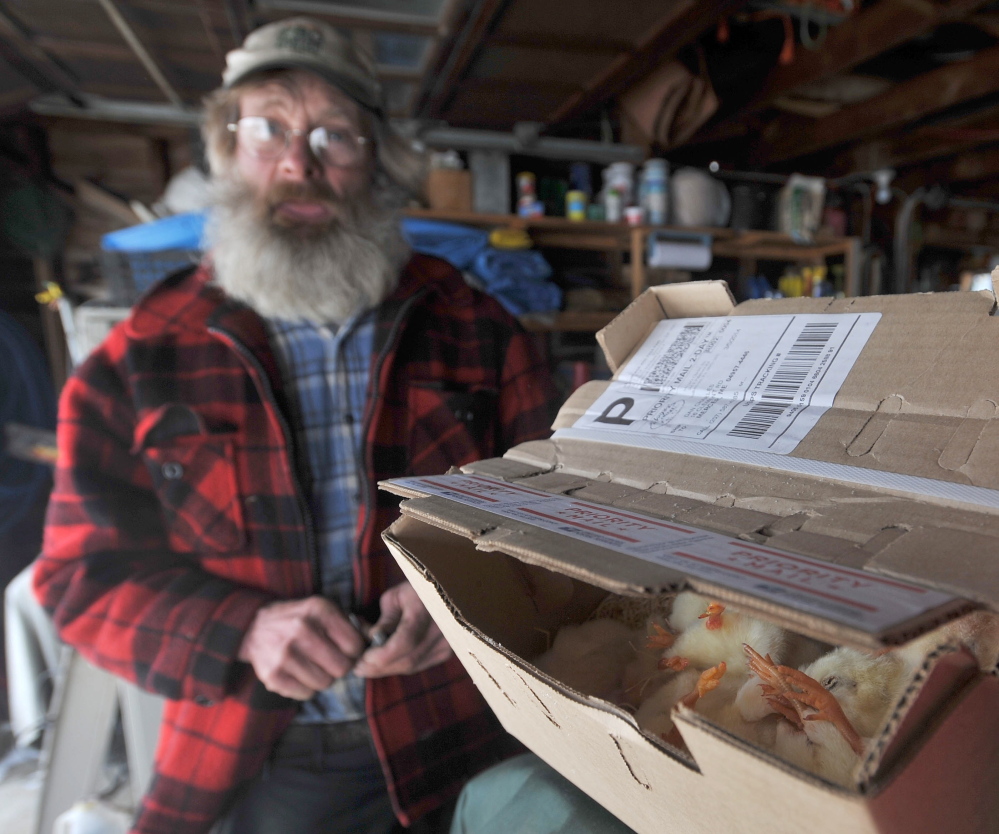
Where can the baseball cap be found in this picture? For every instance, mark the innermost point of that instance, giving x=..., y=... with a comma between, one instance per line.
x=305, y=43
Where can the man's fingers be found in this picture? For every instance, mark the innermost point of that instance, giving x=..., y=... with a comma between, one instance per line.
x=399, y=656
x=307, y=672
x=338, y=629
x=299, y=647
x=315, y=645
x=288, y=686
x=437, y=652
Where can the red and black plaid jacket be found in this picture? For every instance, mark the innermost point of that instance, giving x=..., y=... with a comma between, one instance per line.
x=178, y=511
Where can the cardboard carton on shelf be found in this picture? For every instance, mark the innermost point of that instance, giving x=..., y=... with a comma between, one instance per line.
x=879, y=523
x=449, y=189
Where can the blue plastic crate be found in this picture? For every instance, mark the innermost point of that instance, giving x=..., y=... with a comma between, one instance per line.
x=179, y=231
x=129, y=274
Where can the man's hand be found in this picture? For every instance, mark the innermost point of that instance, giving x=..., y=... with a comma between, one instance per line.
x=415, y=643
x=299, y=648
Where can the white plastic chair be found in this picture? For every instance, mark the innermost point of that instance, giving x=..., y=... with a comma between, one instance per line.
x=75, y=744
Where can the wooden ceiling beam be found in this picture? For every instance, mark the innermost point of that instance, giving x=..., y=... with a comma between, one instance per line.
x=988, y=190
x=342, y=17
x=51, y=71
x=904, y=148
x=966, y=168
x=784, y=138
x=557, y=42
x=871, y=32
x=94, y=50
x=440, y=86
x=205, y=15
x=238, y=17
x=685, y=22
x=145, y=58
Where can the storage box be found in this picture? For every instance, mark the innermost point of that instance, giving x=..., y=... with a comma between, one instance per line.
x=130, y=274
x=878, y=524
x=449, y=189
x=94, y=320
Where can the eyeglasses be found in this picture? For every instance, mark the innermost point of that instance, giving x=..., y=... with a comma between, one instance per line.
x=268, y=139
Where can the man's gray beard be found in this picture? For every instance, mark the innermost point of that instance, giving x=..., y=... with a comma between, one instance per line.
x=352, y=265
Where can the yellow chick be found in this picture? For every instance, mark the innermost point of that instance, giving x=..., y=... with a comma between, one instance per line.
x=591, y=657
x=642, y=675
x=709, y=634
x=978, y=631
x=831, y=706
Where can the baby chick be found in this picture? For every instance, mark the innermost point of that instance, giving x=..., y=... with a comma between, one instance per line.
x=709, y=634
x=977, y=631
x=591, y=657
x=642, y=675
x=831, y=706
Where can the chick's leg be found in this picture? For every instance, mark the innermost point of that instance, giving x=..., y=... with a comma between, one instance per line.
x=709, y=679
x=808, y=691
x=775, y=687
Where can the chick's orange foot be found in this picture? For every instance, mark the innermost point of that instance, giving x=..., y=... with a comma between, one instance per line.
x=660, y=638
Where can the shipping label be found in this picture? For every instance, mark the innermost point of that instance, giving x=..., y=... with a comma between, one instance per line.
x=749, y=382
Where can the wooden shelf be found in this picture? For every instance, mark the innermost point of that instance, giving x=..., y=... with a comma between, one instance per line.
x=936, y=235
x=578, y=321
x=745, y=245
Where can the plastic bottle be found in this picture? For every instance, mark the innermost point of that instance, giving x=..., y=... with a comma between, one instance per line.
x=90, y=817
x=654, y=190
x=528, y=204
x=575, y=205
x=613, y=205
x=619, y=177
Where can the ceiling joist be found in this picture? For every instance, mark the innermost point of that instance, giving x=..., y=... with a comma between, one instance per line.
x=786, y=138
x=53, y=73
x=145, y=58
x=872, y=32
x=685, y=22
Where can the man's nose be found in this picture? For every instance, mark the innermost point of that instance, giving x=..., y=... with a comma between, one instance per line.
x=298, y=162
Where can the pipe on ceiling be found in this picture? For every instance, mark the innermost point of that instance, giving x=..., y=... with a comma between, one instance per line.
x=98, y=108
x=575, y=150
x=128, y=33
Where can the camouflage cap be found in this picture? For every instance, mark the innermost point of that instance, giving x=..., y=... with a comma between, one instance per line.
x=304, y=43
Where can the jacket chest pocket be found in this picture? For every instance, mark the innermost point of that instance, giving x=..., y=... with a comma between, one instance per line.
x=194, y=476
x=449, y=426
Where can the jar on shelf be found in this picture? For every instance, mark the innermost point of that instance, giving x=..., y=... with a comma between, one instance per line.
x=619, y=177
x=655, y=190
x=575, y=205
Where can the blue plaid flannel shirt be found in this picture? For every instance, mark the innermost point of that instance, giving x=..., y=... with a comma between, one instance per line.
x=325, y=370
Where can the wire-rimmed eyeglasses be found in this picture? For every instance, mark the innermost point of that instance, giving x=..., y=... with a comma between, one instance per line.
x=268, y=139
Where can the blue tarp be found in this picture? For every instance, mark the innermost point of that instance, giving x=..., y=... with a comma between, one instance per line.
x=180, y=231
x=456, y=244
x=518, y=278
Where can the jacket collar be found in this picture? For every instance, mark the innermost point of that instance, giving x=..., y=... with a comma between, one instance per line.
x=189, y=301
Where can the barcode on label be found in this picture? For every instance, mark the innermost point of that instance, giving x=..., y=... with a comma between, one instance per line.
x=783, y=387
x=758, y=419
x=669, y=360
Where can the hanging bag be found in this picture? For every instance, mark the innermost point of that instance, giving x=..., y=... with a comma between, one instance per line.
x=668, y=106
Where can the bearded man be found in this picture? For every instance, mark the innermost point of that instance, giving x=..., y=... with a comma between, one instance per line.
x=214, y=532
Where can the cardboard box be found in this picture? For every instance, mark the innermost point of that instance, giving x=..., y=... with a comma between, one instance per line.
x=895, y=488
x=449, y=190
